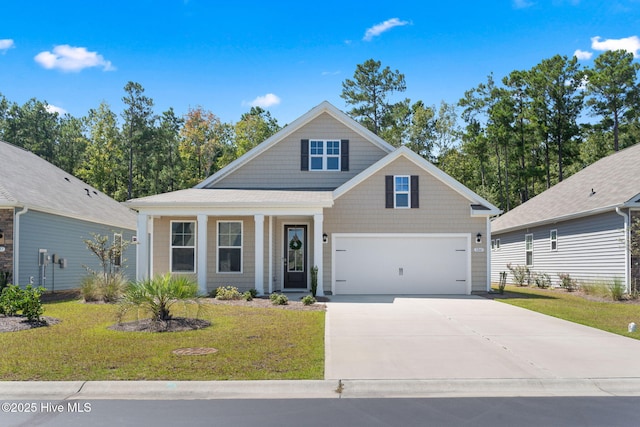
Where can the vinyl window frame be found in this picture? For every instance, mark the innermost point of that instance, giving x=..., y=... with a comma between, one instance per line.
x=219, y=247
x=528, y=249
x=172, y=246
x=324, y=150
x=553, y=240
x=401, y=192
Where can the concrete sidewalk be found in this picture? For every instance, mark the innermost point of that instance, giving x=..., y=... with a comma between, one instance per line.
x=324, y=389
x=466, y=338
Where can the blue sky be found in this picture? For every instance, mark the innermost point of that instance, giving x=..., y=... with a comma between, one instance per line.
x=287, y=57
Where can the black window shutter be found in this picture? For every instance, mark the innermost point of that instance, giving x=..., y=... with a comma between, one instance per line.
x=415, y=192
x=388, y=181
x=304, y=154
x=344, y=155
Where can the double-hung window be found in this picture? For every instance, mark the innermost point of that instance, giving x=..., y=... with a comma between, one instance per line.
x=183, y=246
x=229, y=246
x=553, y=238
x=117, y=250
x=401, y=191
x=528, y=248
x=324, y=155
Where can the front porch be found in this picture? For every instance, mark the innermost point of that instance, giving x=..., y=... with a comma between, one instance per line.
x=270, y=251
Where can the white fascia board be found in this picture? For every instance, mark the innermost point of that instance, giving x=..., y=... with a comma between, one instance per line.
x=324, y=107
x=556, y=220
x=34, y=208
x=231, y=211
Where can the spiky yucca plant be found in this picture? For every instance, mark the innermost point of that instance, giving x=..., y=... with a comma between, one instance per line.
x=156, y=296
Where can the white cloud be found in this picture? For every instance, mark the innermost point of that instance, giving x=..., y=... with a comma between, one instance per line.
x=522, y=4
x=265, y=101
x=581, y=54
x=69, y=58
x=378, y=29
x=6, y=44
x=630, y=44
x=55, y=109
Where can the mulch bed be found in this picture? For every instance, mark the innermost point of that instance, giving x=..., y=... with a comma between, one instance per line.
x=177, y=324
x=19, y=323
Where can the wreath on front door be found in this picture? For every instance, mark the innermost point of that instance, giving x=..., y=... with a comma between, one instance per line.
x=295, y=243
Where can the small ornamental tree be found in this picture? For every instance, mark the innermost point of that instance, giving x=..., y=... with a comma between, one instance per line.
x=108, y=284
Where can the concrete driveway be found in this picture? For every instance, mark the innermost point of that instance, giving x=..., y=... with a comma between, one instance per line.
x=466, y=337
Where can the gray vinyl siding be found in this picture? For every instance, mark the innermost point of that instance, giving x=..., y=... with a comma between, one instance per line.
x=279, y=166
x=589, y=249
x=64, y=237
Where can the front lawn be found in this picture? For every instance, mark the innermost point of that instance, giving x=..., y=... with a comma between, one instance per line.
x=608, y=316
x=252, y=344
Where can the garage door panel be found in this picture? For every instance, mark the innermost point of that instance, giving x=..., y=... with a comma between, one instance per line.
x=415, y=264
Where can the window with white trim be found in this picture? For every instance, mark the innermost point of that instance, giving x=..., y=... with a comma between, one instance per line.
x=497, y=244
x=324, y=155
x=553, y=239
x=117, y=250
x=229, y=247
x=402, y=191
x=183, y=247
x=528, y=249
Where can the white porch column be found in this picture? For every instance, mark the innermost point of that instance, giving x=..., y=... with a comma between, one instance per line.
x=142, y=248
x=270, y=254
x=317, y=250
x=201, y=265
x=259, y=253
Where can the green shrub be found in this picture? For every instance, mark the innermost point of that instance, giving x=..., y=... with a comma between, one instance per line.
x=616, y=289
x=11, y=300
x=600, y=289
x=314, y=280
x=521, y=274
x=5, y=279
x=253, y=292
x=156, y=296
x=228, y=293
x=279, y=299
x=100, y=287
x=567, y=282
x=503, y=282
x=247, y=296
x=32, y=307
x=27, y=301
x=308, y=300
x=542, y=280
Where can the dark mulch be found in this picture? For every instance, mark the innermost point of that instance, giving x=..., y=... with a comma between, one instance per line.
x=177, y=324
x=20, y=323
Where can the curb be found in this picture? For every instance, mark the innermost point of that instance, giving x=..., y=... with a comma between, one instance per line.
x=321, y=389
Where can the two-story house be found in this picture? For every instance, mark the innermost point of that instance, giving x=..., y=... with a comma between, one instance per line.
x=323, y=192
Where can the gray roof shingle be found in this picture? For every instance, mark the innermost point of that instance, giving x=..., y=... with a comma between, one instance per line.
x=27, y=180
x=606, y=184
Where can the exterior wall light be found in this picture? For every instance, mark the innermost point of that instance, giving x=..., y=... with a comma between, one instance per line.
x=325, y=238
x=479, y=238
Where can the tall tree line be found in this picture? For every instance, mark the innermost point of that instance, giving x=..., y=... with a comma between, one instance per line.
x=520, y=135
x=140, y=153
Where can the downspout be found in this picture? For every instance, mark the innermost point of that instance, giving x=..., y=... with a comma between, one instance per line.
x=16, y=245
x=627, y=252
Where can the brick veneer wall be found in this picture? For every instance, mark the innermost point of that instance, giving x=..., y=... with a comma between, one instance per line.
x=6, y=225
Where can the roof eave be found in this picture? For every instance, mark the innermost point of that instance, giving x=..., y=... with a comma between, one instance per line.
x=557, y=219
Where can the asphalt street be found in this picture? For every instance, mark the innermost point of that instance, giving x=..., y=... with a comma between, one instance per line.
x=477, y=412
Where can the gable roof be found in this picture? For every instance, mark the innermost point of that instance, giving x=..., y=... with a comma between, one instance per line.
x=324, y=107
x=613, y=181
x=27, y=180
x=479, y=205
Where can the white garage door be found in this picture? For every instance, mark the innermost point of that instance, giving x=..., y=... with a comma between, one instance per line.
x=401, y=264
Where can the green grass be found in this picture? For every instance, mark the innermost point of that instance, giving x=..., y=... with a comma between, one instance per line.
x=252, y=343
x=608, y=316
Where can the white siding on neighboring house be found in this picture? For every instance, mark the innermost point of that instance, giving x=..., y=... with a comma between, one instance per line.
x=590, y=248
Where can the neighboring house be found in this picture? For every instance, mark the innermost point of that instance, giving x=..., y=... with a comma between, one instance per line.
x=45, y=214
x=579, y=226
x=325, y=192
